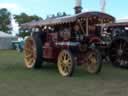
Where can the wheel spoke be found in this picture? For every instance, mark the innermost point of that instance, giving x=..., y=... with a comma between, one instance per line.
x=63, y=67
x=66, y=69
x=64, y=57
x=28, y=49
x=67, y=57
x=30, y=61
x=28, y=56
x=69, y=61
x=61, y=60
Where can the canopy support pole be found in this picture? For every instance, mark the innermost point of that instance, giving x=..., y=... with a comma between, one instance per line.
x=87, y=27
x=81, y=27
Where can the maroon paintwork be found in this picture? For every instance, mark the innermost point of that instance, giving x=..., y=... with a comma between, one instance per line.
x=54, y=43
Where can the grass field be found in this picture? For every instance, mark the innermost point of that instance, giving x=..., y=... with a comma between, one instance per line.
x=16, y=80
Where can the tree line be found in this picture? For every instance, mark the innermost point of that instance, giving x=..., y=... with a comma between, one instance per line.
x=5, y=20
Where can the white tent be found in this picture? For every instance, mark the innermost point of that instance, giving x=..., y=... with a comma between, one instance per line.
x=6, y=40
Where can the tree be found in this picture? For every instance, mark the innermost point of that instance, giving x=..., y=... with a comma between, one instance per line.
x=24, y=32
x=25, y=18
x=59, y=14
x=5, y=22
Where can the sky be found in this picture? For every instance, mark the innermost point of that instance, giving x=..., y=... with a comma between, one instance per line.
x=117, y=8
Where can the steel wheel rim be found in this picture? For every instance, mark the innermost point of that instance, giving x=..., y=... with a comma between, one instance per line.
x=119, y=53
x=29, y=52
x=65, y=63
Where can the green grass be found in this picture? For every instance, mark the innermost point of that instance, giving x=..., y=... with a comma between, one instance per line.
x=16, y=80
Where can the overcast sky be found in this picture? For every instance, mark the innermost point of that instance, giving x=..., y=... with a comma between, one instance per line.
x=117, y=8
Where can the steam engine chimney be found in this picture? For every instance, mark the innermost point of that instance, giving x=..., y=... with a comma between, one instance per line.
x=78, y=7
x=103, y=5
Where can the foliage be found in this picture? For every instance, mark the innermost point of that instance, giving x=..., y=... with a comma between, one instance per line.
x=59, y=14
x=23, y=32
x=25, y=18
x=5, y=22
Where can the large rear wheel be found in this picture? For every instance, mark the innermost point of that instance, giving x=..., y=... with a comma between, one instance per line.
x=66, y=63
x=33, y=52
x=118, y=53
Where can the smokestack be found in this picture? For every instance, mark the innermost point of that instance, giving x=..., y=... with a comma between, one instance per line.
x=78, y=7
x=103, y=5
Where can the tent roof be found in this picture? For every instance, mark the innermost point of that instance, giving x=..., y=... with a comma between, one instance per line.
x=5, y=35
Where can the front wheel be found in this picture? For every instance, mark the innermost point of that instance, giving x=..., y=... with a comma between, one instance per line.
x=66, y=64
x=93, y=62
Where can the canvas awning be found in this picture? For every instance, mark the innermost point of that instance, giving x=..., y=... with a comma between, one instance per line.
x=68, y=19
